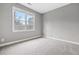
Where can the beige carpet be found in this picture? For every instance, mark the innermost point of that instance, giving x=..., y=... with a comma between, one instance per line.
x=40, y=46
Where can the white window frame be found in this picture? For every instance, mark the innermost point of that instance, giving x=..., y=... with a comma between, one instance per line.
x=13, y=19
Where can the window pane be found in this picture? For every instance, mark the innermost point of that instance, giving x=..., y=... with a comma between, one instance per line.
x=19, y=18
x=23, y=20
x=29, y=20
x=29, y=27
x=20, y=27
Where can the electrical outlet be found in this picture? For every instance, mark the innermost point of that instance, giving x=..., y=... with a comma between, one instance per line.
x=2, y=40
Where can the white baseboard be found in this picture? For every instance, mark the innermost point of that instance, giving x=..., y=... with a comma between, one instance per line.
x=9, y=43
x=67, y=41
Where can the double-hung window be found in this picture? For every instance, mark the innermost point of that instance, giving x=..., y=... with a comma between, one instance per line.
x=22, y=20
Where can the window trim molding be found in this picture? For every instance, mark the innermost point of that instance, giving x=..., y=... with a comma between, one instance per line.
x=13, y=13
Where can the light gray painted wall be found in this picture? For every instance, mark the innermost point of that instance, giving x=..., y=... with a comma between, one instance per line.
x=6, y=20
x=63, y=23
x=0, y=22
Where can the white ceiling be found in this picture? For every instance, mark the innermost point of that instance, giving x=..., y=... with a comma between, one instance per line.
x=43, y=7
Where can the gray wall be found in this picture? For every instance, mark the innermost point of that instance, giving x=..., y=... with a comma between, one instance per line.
x=6, y=26
x=0, y=22
x=63, y=23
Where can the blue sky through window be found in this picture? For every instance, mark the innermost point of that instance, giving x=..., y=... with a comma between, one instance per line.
x=23, y=17
x=20, y=15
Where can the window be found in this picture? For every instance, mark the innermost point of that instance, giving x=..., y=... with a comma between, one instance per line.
x=22, y=20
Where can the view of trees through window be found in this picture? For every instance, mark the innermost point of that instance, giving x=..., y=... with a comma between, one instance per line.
x=23, y=20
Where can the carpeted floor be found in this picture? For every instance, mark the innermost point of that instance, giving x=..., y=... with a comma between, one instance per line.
x=41, y=46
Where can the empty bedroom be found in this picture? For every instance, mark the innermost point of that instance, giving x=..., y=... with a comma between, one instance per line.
x=39, y=28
